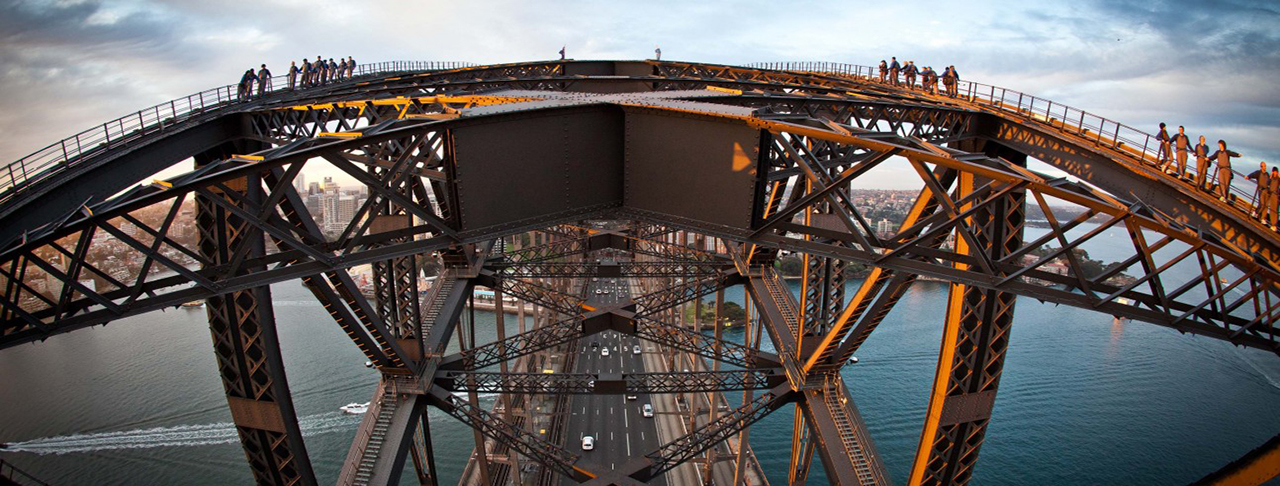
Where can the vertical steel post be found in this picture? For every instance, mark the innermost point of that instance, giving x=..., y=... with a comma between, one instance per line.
x=512, y=455
x=247, y=349
x=975, y=337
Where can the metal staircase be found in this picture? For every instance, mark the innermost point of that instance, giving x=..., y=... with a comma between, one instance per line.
x=785, y=301
x=845, y=429
x=434, y=301
x=385, y=410
x=852, y=433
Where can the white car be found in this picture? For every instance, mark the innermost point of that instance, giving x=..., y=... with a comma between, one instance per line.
x=635, y=349
x=604, y=351
x=588, y=443
x=647, y=411
x=631, y=397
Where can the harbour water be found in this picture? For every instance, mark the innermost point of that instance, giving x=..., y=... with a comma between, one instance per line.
x=1083, y=399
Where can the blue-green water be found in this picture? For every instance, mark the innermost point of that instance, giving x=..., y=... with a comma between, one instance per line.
x=1083, y=400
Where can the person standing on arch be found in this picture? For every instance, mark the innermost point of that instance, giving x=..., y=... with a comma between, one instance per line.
x=953, y=89
x=948, y=81
x=264, y=81
x=1275, y=197
x=1261, y=193
x=1223, y=158
x=894, y=67
x=246, y=84
x=1162, y=155
x=322, y=71
x=884, y=70
x=910, y=71
x=351, y=66
x=293, y=74
x=562, y=52
x=1181, y=143
x=1202, y=164
x=306, y=73
x=657, y=53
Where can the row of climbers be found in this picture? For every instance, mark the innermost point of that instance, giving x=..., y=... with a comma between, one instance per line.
x=311, y=73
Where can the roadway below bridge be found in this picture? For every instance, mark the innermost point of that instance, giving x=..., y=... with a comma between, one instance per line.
x=616, y=423
x=674, y=411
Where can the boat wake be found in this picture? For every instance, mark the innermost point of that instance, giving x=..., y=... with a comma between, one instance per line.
x=1256, y=368
x=177, y=436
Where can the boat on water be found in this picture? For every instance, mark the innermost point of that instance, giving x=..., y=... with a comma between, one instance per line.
x=355, y=408
x=194, y=303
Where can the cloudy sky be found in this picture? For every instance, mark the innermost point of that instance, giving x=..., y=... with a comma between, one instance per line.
x=1212, y=65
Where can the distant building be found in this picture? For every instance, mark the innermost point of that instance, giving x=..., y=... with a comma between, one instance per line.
x=314, y=202
x=885, y=227
x=329, y=210
x=346, y=211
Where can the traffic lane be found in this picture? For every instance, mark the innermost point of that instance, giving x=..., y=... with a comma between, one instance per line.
x=612, y=439
x=624, y=432
x=616, y=424
x=597, y=415
x=643, y=431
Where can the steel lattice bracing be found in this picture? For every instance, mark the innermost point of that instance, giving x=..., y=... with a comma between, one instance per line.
x=978, y=323
x=246, y=346
x=491, y=174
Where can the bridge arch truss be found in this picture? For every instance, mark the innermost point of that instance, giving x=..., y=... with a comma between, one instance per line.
x=706, y=172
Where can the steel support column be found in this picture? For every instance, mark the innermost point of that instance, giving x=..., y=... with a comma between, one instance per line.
x=247, y=348
x=974, y=340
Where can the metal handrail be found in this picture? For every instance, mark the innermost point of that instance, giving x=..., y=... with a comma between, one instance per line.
x=17, y=476
x=1103, y=132
x=65, y=153
x=351, y=464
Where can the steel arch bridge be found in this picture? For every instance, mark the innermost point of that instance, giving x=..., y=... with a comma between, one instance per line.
x=692, y=177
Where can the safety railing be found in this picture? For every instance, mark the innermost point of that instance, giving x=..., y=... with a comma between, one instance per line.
x=121, y=131
x=1101, y=131
x=364, y=433
x=13, y=475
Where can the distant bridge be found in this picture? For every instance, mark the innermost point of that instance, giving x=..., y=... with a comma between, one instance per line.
x=518, y=177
